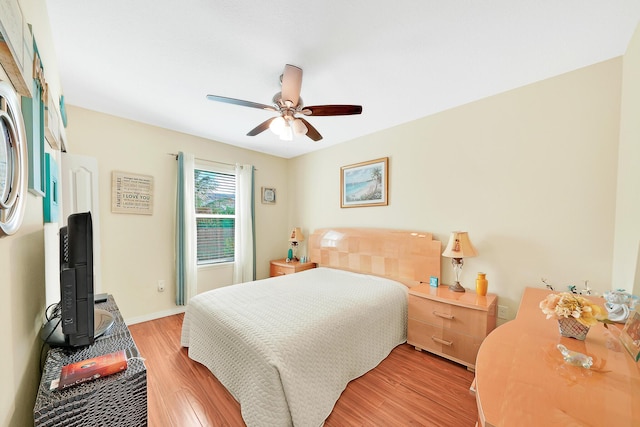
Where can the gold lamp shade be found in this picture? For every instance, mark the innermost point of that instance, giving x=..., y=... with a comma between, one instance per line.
x=296, y=235
x=458, y=248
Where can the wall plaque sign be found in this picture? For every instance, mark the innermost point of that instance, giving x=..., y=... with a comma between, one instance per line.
x=131, y=193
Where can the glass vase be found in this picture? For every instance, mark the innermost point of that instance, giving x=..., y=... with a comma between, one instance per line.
x=571, y=328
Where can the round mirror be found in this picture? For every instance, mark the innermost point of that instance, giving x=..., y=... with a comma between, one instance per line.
x=9, y=179
x=13, y=161
x=6, y=165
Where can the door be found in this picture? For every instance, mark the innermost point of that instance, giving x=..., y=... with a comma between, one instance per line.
x=79, y=182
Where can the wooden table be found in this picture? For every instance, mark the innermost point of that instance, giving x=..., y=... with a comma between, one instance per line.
x=522, y=379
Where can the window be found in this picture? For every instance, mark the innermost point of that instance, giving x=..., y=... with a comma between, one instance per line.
x=215, y=200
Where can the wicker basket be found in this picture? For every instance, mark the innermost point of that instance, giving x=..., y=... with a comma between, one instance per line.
x=570, y=327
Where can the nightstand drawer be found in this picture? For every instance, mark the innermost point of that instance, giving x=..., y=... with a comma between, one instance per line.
x=463, y=320
x=278, y=270
x=444, y=342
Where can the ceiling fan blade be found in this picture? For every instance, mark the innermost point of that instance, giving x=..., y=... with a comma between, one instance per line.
x=240, y=102
x=291, y=84
x=261, y=127
x=332, y=110
x=311, y=131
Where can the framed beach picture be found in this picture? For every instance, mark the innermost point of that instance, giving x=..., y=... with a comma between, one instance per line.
x=630, y=335
x=365, y=184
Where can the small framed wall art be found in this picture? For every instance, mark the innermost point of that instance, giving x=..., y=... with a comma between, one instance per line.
x=131, y=193
x=268, y=195
x=365, y=184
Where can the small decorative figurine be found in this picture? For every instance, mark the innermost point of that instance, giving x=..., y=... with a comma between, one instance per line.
x=619, y=304
x=574, y=358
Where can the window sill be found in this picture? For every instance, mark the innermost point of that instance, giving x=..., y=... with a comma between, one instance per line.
x=215, y=266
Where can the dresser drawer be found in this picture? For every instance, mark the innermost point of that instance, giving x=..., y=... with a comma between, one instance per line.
x=463, y=320
x=445, y=342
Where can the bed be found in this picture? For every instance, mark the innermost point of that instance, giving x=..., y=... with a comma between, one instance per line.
x=286, y=347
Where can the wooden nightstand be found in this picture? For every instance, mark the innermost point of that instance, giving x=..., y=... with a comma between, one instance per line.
x=450, y=324
x=281, y=267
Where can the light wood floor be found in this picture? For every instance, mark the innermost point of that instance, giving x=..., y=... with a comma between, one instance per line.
x=407, y=388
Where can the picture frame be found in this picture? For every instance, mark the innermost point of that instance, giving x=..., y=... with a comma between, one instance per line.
x=51, y=201
x=268, y=195
x=365, y=184
x=131, y=193
x=32, y=113
x=630, y=335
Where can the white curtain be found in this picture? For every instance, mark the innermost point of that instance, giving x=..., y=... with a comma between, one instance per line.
x=186, y=233
x=244, y=269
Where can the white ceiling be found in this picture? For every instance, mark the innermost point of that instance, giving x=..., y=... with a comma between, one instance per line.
x=154, y=61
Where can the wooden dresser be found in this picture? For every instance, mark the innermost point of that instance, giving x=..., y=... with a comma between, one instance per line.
x=280, y=267
x=450, y=324
x=522, y=379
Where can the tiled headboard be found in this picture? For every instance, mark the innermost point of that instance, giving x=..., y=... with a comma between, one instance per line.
x=406, y=256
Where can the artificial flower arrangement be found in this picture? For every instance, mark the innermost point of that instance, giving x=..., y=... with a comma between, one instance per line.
x=567, y=305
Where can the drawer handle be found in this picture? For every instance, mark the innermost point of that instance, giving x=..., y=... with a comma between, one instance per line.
x=443, y=342
x=443, y=315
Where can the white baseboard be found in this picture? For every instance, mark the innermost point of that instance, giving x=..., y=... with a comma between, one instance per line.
x=156, y=315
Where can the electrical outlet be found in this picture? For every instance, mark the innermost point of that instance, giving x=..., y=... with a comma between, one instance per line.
x=503, y=311
x=160, y=285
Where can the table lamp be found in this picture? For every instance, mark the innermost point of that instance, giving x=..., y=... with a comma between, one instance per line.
x=296, y=237
x=458, y=248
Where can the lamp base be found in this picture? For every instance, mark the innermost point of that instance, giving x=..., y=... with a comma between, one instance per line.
x=457, y=287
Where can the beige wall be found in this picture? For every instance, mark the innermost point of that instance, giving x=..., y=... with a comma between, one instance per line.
x=138, y=250
x=22, y=292
x=626, y=255
x=21, y=306
x=530, y=173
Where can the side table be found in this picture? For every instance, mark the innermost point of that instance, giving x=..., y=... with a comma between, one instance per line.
x=115, y=400
x=281, y=267
x=450, y=324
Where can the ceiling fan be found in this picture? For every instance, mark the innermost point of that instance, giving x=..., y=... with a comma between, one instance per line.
x=289, y=105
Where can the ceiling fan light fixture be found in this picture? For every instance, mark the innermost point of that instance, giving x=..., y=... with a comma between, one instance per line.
x=299, y=128
x=277, y=125
x=287, y=132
